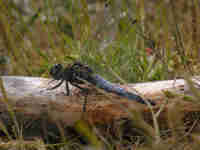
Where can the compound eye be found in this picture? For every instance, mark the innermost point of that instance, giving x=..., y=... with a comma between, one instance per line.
x=58, y=66
x=55, y=70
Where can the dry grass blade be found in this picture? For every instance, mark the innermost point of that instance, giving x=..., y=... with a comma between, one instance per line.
x=175, y=120
x=10, y=109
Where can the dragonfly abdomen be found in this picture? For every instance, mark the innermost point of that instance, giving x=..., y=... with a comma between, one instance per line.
x=109, y=87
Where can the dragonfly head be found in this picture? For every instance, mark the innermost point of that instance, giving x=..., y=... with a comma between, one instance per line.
x=56, y=71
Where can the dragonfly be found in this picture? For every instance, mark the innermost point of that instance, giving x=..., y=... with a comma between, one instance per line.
x=77, y=73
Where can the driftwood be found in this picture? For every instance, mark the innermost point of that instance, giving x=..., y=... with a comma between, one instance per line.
x=28, y=97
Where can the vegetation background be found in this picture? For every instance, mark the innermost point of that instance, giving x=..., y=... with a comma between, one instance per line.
x=126, y=41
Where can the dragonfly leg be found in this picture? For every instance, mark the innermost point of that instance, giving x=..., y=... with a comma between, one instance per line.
x=67, y=88
x=56, y=86
x=85, y=103
x=76, y=85
x=85, y=92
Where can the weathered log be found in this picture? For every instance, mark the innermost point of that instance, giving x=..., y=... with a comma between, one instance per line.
x=29, y=96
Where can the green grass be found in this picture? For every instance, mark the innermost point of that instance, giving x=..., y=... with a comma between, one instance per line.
x=114, y=45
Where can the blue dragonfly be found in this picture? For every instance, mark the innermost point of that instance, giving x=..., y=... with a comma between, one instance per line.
x=77, y=73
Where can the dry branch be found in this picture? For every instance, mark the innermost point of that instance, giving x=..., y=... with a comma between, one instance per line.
x=29, y=98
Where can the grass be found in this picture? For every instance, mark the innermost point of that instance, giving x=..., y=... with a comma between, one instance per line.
x=126, y=43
